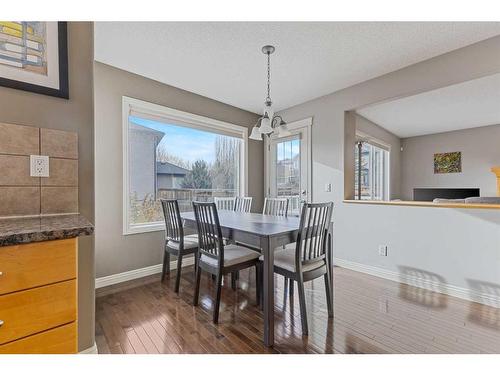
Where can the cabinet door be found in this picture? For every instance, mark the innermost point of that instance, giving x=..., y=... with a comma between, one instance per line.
x=31, y=311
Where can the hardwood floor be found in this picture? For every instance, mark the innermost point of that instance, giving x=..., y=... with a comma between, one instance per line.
x=372, y=315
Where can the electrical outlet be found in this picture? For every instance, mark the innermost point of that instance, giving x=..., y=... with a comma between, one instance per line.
x=383, y=305
x=328, y=188
x=382, y=250
x=39, y=166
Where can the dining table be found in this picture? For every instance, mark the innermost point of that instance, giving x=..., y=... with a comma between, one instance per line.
x=268, y=233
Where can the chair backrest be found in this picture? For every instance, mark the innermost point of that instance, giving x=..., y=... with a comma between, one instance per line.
x=243, y=204
x=225, y=203
x=173, y=222
x=275, y=206
x=210, y=241
x=313, y=232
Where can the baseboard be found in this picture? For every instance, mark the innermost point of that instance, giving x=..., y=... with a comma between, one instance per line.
x=451, y=290
x=91, y=350
x=117, y=278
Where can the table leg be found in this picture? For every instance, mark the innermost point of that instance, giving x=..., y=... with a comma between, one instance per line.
x=268, y=273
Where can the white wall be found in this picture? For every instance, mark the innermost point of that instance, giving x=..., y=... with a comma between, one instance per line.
x=480, y=151
x=458, y=245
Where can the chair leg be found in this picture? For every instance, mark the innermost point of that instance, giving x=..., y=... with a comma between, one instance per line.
x=179, y=268
x=166, y=265
x=328, y=290
x=233, y=280
x=285, y=291
x=195, y=263
x=196, y=295
x=217, y=299
x=292, y=286
x=302, y=302
x=257, y=283
x=261, y=285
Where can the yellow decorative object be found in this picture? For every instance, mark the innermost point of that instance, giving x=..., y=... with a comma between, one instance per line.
x=496, y=170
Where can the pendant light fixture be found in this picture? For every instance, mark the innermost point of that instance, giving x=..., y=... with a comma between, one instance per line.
x=269, y=123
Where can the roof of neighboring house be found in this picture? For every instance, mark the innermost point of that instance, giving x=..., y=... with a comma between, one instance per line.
x=169, y=168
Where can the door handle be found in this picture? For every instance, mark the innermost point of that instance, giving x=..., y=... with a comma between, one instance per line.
x=1, y=323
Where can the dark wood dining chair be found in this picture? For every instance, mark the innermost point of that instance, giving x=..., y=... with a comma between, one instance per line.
x=275, y=207
x=243, y=204
x=309, y=258
x=176, y=243
x=216, y=258
x=278, y=207
x=225, y=203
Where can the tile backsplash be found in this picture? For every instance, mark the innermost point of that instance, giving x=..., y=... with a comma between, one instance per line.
x=21, y=194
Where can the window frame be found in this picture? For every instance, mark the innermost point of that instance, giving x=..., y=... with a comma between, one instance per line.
x=189, y=120
x=362, y=137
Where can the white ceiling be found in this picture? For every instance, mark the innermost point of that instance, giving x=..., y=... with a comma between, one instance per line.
x=223, y=61
x=466, y=105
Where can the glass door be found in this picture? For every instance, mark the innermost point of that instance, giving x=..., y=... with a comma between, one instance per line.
x=288, y=169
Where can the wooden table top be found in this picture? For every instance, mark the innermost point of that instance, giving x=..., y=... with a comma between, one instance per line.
x=263, y=225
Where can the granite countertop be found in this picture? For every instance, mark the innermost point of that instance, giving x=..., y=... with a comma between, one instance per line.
x=14, y=231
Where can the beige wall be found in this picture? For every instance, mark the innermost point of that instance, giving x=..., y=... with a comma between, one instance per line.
x=116, y=253
x=480, y=151
x=75, y=114
x=430, y=239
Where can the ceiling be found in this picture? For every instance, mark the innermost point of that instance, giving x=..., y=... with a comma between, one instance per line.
x=223, y=61
x=466, y=105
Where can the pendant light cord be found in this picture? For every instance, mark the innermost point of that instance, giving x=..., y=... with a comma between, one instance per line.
x=268, y=99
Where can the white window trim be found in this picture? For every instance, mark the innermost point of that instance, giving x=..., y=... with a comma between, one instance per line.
x=199, y=122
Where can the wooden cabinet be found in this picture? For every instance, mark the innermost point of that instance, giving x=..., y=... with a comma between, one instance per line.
x=38, y=297
x=54, y=341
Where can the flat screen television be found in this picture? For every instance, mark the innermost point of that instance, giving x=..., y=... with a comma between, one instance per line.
x=428, y=195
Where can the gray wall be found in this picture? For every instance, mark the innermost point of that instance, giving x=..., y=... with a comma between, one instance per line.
x=116, y=253
x=458, y=244
x=75, y=114
x=480, y=151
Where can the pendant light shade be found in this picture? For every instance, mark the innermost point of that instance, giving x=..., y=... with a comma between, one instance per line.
x=255, y=135
x=265, y=125
x=283, y=130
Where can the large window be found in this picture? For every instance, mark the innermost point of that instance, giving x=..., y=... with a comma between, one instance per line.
x=176, y=155
x=371, y=171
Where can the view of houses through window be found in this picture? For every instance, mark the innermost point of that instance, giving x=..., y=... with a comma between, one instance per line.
x=288, y=168
x=372, y=171
x=178, y=162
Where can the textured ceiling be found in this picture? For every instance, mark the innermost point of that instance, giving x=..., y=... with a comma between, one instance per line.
x=223, y=61
x=466, y=105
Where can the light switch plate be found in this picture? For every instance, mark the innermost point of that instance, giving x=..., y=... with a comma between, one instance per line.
x=39, y=166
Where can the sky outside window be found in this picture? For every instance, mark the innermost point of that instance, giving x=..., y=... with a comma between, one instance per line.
x=186, y=143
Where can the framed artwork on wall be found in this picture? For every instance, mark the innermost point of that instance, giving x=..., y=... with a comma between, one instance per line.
x=34, y=57
x=448, y=162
